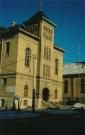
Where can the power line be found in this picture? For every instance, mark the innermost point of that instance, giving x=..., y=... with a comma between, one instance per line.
x=24, y=58
x=12, y=63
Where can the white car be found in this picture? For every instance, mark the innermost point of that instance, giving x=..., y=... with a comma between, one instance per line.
x=79, y=105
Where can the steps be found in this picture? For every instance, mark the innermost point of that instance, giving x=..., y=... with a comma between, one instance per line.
x=49, y=104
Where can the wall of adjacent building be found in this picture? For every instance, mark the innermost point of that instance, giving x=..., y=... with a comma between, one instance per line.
x=76, y=88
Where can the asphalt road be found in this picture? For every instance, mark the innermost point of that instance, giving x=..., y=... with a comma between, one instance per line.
x=29, y=114
x=43, y=123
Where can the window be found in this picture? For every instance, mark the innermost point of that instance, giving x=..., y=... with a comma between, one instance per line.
x=3, y=102
x=26, y=91
x=65, y=86
x=49, y=54
x=27, y=57
x=47, y=33
x=36, y=27
x=55, y=94
x=7, y=48
x=31, y=27
x=56, y=66
x=46, y=70
x=82, y=86
x=4, y=81
x=44, y=52
x=25, y=102
x=50, y=31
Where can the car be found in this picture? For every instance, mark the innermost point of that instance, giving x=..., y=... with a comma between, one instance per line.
x=79, y=106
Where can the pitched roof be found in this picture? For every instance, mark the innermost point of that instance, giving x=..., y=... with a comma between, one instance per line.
x=74, y=68
x=58, y=48
x=37, y=17
x=12, y=30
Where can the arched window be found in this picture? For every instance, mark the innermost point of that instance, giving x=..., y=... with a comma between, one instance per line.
x=82, y=86
x=26, y=91
x=65, y=86
x=27, y=57
x=55, y=94
x=56, y=66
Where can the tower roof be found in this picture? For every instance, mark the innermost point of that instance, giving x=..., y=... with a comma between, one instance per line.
x=37, y=17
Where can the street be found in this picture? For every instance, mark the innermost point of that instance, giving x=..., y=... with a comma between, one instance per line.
x=43, y=122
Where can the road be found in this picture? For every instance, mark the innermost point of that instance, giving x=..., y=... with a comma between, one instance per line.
x=30, y=114
x=46, y=122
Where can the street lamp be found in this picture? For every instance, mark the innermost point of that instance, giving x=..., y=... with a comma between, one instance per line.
x=33, y=92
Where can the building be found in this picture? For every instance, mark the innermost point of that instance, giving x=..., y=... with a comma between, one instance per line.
x=30, y=60
x=74, y=82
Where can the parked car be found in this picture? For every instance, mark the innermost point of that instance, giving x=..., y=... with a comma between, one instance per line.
x=71, y=101
x=79, y=106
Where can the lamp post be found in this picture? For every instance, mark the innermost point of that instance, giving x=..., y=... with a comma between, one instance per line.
x=33, y=92
x=6, y=106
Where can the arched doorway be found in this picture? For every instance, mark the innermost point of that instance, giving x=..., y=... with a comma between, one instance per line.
x=45, y=94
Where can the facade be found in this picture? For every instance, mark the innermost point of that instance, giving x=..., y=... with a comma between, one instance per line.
x=74, y=82
x=30, y=60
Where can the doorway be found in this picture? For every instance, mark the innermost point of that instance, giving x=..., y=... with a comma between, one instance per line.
x=45, y=94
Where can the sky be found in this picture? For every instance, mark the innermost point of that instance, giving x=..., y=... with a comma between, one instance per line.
x=68, y=15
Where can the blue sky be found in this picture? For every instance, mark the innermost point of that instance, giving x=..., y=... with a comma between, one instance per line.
x=69, y=15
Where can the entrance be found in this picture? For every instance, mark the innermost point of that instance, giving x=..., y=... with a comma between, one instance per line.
x=45, y=94
x=3, y=102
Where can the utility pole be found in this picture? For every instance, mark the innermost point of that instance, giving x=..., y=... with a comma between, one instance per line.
x=79, y=70
x=33, y=92
x=40, y=6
